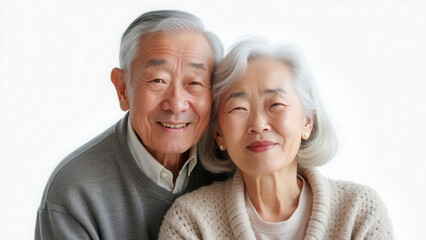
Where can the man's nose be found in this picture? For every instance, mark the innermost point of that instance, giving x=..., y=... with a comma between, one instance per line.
x=176, y=99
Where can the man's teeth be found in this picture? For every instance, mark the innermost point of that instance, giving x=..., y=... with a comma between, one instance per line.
x=169, y=125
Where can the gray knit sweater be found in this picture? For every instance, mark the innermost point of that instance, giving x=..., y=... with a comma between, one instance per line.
x=99, y=192
x=340, y=210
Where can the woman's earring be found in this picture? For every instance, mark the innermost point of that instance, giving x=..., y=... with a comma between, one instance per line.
x=306, y=136
x=222, y=148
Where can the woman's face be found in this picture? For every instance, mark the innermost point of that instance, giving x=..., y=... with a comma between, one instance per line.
x=261, y=119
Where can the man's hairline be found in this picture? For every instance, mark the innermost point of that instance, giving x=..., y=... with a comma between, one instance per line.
x=150, y=34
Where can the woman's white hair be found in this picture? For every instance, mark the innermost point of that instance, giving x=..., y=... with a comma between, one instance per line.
x=322, y=143
x=162, y=21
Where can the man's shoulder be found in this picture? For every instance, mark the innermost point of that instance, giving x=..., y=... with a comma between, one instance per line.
x=93, y=160
x=89, y=153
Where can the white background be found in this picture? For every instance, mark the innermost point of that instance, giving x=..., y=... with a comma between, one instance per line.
x=369, y=58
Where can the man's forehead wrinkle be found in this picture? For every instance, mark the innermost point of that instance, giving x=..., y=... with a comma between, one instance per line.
x=165, y=61
x=178, y=51
x=191, y=56
x=159, y=52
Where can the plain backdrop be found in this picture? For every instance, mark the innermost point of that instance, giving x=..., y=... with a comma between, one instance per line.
x=369, y=58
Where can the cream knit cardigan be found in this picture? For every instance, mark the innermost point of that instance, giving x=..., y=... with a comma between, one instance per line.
x=340, y=210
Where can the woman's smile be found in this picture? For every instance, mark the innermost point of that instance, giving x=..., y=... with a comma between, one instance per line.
x=261, y=146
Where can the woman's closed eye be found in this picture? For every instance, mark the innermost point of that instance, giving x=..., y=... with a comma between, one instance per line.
x=238, y=109
x=278, y=104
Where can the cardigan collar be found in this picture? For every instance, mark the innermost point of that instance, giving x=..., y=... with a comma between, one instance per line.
x=240, y=223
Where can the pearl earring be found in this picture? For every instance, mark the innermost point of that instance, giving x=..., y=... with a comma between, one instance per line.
x=222, y=148
x=305, y=135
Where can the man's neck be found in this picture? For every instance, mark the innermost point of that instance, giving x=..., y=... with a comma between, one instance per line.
x=173, y=162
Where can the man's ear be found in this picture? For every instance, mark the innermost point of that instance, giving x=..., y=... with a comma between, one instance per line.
x=118, y=78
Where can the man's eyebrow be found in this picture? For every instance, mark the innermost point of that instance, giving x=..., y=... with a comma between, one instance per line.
x=155, y=62
x=199, y=66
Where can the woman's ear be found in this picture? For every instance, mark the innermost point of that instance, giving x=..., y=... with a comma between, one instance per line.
x=307, y=128
x=219, y=139
x=309, y=124
x=118, y=78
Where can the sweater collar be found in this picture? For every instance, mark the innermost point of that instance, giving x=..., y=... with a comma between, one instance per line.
x=235, y=207
x=320, y=202
x=240, y=223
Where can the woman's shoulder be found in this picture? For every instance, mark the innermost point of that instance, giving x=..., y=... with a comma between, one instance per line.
x=348, y=190
x=348, y=207
x=353, y=199
x=340, y=190
x=362, y=208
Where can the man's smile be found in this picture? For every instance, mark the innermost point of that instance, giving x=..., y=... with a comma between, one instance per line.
x=173, y=125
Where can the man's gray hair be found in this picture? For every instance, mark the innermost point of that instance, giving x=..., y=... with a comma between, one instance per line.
x=322, y=143
x=163, y=21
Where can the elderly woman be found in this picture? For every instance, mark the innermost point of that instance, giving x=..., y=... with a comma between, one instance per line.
x=268, y=124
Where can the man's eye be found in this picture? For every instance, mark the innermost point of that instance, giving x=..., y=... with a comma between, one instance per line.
x=195, y=83
x=157, y=80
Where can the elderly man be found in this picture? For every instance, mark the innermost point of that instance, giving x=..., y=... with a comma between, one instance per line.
x=120, y=184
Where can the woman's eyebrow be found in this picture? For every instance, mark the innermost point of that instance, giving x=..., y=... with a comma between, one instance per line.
x=276, y=91
x=235, y=95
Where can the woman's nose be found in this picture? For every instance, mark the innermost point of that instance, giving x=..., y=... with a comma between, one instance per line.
x=258, y=122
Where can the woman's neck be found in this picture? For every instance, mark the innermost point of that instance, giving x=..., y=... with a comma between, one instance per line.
x=275, y=196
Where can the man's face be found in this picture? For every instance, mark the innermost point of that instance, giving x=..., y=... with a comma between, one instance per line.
x=169, y=91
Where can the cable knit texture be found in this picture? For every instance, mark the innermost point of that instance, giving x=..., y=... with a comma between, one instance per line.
x=340, y=210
